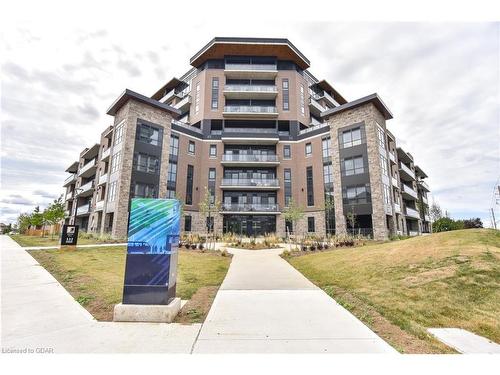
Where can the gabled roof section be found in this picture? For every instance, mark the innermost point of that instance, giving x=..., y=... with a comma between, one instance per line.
x=373, y=98
x=129, y=94
x=219, y=47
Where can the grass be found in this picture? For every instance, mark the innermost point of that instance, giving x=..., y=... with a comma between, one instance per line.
x=401, y=288
x=94, y=277
x=26, y=241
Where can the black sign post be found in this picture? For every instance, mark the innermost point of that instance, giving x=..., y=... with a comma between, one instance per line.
x=69, y=236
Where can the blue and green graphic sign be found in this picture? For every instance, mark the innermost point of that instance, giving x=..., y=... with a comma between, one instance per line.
x=153, y=239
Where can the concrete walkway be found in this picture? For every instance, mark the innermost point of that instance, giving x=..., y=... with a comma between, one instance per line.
x=464, y=341
x=37, y=312
x=265, y=306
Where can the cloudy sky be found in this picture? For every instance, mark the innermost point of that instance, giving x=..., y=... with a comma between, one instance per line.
x=440, y=80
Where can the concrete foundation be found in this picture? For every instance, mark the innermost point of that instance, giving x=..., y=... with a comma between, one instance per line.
x=147, y=313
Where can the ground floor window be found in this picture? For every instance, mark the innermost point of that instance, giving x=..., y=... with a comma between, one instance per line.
x=288, y=226
x=249, y=225
x=310, y=224
x=187, y=223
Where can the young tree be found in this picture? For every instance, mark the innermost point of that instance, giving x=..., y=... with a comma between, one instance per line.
x=23, y=222
x=54, y=213
x=435, y=212
x=209, y=207
x=351, y=218
x=36, y=218
x=293, y=213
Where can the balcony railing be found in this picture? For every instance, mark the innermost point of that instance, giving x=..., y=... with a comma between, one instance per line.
x=424, y=185
x=82, y=210
x=69, y=195
x=407, y=170
x=250, y=88
x=250, y=158
x=99, y=206
x=251, y=130
x=316, y=105
x=105, y=153
x=254, y=109
x=87, y=166
x=103, y=179
x=313, y=128
x=397, y=208
x=250, y=207
x=412, y=213
x=395, y=182
x=408, y=190
x=250, y=182
x=250, y=67
x=85, y=188
x=392, y=157
x=187, y=126
x=71, y=178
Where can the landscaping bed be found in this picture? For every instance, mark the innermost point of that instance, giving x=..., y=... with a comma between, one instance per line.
x=94, y=277
x=83, y=239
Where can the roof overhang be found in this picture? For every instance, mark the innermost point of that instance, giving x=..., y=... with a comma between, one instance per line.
x=91, y=152
x=219, y=47
x=419, y=172
x=73, y=168
x=404, y=156
x=132, y=95
x=172, y=84
x=373, y=98
x=324, y=85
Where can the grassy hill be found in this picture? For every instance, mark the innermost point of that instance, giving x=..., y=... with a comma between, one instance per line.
x=400, y=288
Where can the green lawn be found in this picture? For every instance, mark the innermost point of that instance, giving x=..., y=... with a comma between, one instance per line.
x=94, y=277
x=26, y=241
x=400, y=288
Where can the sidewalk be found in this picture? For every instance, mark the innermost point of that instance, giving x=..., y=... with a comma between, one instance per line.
x=265, y=306
x=37, y=312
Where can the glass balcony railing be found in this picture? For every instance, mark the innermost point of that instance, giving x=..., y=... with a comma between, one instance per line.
x=408, y=190
x=407, y=170
x=250, y=182
x=82, y=210
x=249, y=158
x=87, y=166
x=250, y=207
x=251, y=130
x=412, y=213
x=251, y=88
x=85, y=188
x=250, y=109
x=251, y=67
x=70, y=179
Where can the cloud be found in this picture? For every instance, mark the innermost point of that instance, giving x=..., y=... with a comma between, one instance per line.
x=45, y=194
x=18, y=200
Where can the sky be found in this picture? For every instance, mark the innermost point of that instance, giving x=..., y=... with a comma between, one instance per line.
x=59, y=76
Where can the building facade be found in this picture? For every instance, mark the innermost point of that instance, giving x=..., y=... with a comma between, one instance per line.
x=250, y=125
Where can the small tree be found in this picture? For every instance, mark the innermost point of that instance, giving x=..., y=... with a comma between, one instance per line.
x=352, y=218
x=23, y=222
x=293, y=213
x=54, y=213
x=435, y=212
x=37, y=219
x=209, y=207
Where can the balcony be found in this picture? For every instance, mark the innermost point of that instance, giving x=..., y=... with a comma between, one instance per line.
x=423, y=185
x=103, y=179
x=315, y=108
x=99, y=206
x=70, y=195
x=406, y=173
x=187, y=126
x=395, y=182
x=410, y=212
x=392, y=157
x=245, y=71
x=397, y=208
x=249, y=111
x=250, y=91
x=70, y=180
x=184, y=104
x=105, y=154
x=408, y=192
x=250, y=183
x=83, y=210
x=85, y=190
x=248, y=136
x=88, y=169
x=249, y=160
x=315, y=127
x=255, y=208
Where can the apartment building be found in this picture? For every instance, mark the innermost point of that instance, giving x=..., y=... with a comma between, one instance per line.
x=252, y=125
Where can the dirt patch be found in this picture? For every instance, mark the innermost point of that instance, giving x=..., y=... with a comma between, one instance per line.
x=196, y=309
x=401, y=340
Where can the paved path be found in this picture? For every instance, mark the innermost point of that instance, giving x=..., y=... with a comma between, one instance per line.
x=38, y=312
x=464, y=341
x=265, y=306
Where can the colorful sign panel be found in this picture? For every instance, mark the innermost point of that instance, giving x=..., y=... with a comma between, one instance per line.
x=152, y=251
x=69, y=235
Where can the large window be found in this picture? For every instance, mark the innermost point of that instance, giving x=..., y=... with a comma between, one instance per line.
x=310, y=186
x=212, y=151
x=328, y=174
x=215, y=92
x=286, y=94
x=197, y=98
x=187, y=223
x=310, y=224
x=172, y=174
x=387, y=195
x=358, y=194
x=174, y=145
x=383, y=165
x=115, y=161
x=287, y=152
x=112, y=192
x=308, y=149
x=191, y=147
x=148, y=134
x=141, y=190
x=211, y=184
x=189, y=184
x=351, y=138
x=352, y=166
x=288, y=185
x=119, y=134
x=380, y=136
x=302, y=100
x=326, y=145
x=146, y=163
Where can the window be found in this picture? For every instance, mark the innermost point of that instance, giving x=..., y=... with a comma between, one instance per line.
x=119, y=134
x=310, y=224
x=387, y=195
x=212, y=151
x=148, y=134
x=211, y=174
x=288, y=185
x=351, y=137
x=302, y=100
x=310, y=186
x=326, y=145
x=287, y=152
x=286, y=95
x=112, y=192
x=197, y=98
x=146, y=163
x=191, y=147
x=189, y=185
x=380, y=136
x=187, y=223
x=352, y=166
x=211, y=184
x=359, y=194
x=172, y=173
x=174, y=145
x=215, y=92
x=383, y=165
x=328, y=174
x=308, y=149
x=115, y=161
x=141, y=190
